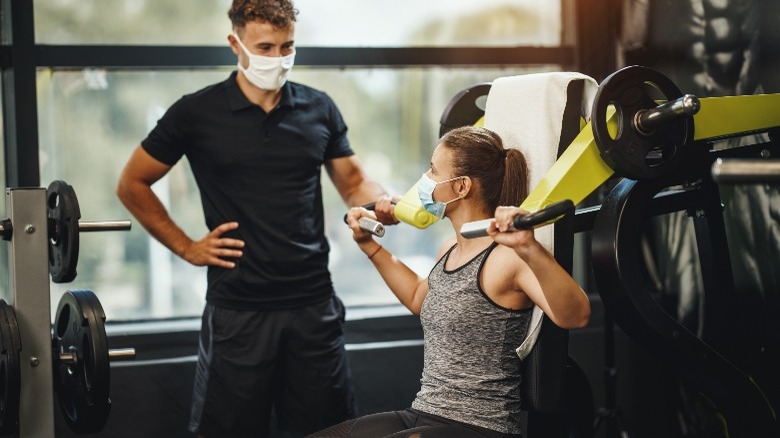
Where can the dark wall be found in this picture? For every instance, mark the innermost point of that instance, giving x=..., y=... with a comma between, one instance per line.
x=712, y=48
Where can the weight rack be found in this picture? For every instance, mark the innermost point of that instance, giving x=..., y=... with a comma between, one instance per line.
x=40, y=230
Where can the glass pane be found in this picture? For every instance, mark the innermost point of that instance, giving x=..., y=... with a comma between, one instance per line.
x=164, y=22
x=349, y=23
x=403, y=23
x=91, y=120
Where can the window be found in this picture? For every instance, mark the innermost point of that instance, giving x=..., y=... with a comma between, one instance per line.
x=351, y=23
x=91, y=119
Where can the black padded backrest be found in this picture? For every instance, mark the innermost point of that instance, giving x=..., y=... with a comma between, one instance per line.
x=465, y=108
x=544, y=370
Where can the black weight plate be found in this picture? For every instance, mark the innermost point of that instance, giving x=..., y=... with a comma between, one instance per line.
x=10, y=371
x=63, y=217
x=83, y=386
x=630, y=153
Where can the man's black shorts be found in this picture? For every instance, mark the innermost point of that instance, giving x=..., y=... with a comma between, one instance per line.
x=250, y=361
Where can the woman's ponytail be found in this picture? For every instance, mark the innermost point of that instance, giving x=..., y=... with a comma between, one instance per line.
x=515, y=187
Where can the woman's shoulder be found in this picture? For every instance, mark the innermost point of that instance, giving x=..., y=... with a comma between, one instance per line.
x=506, y=259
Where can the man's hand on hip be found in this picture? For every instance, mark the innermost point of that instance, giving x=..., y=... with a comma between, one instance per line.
x=213, y=249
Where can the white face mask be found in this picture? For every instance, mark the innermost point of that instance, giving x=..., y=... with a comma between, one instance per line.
x=266, y=72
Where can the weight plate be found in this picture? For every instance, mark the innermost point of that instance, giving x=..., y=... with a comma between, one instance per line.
x=628, y=152
x=63, y=220
x=10, y=371
x=82, y=384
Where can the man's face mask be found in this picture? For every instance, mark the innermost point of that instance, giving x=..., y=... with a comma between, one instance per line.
x=425, y=191
x=266, y=72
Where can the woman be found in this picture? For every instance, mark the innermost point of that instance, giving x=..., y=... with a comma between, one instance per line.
x=476, y=303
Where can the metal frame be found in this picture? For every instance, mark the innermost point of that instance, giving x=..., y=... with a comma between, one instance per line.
x=20, y=111
x=28, y=267
x=624, y=283
x=189, y=57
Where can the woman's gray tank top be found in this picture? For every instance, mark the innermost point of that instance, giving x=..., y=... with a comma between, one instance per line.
x=471, y=372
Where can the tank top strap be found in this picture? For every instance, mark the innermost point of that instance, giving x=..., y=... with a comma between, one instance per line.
x=486, y=252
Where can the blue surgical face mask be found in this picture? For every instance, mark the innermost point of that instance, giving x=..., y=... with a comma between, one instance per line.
x=425, y=190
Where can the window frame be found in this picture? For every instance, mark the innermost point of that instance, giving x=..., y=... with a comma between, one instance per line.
x=21, y=58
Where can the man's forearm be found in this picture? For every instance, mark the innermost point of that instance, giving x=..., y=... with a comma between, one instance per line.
x=146, y=207
x=368, y=191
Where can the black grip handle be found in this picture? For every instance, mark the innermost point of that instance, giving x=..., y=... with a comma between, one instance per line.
x=551, y=213
x=543, y=216
x=369, y=206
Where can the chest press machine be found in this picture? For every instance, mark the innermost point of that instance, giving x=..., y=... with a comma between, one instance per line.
x=661, y=143
x=72, y=357
x=644, y=130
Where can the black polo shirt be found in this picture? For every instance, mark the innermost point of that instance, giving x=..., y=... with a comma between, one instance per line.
x=263, y=171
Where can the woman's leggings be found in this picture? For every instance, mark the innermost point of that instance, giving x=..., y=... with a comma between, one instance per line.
x=408, y=423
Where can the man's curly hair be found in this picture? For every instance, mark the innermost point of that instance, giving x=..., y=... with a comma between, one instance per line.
x=279, y=13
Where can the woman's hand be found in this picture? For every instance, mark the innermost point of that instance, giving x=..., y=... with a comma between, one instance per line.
x=359, y=235
x=384, y=208
x=502, y=231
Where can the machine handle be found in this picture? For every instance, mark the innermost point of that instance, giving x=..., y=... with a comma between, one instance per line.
x=374, y=227
x=366, y=224
x=539, y=218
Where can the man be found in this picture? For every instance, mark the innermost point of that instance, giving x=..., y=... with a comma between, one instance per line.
x=271, y=331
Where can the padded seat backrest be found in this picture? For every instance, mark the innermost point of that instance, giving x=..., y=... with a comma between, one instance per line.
x=540, y=114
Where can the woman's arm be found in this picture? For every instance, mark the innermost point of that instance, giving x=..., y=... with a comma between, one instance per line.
x=540, y=276
x=408, y=287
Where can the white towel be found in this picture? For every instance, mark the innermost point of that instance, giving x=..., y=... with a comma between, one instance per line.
x=533, y=333
x=527, y=112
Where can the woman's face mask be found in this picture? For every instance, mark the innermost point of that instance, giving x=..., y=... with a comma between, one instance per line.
x=266, y=72
x=425, y=190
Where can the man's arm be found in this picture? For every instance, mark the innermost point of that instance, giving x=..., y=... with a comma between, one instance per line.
x=356, y=190
x=135, y=192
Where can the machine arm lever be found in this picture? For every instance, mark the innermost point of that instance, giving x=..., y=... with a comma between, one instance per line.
x=536, y=219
